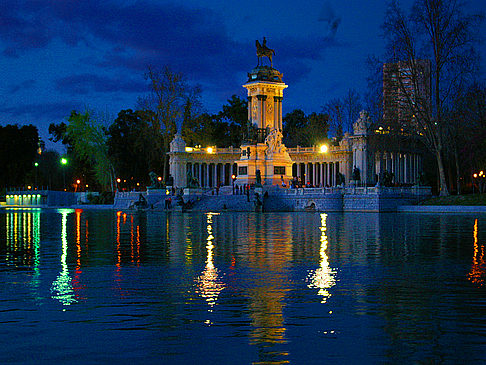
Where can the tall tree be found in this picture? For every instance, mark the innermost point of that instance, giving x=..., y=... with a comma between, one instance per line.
x=236, y=114
x=293, y=124
x=469, y=147
x=343, y=112
x=89, y=143
x=18, y=151
x=169, y=100
x=302, y=130
x=131, y=145
x=437, y=30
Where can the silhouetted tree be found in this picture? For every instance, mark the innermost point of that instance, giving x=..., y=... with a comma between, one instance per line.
x=437, y=30
x=171, y=100
x=18, y=151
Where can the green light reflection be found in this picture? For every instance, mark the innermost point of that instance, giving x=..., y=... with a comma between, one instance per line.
x=62, y=288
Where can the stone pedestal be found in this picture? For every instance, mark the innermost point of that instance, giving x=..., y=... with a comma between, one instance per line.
x=273, y=166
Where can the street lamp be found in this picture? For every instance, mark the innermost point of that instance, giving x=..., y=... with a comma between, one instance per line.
x=36, y=165
x=234, y=178
x=64, y=162
x=324, y=148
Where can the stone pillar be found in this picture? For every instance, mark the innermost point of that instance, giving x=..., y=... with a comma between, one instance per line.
x=306, y=179
x=206, y=175
x=249, y=107
x=276, y=121
x=314, y=173
x=406, y=172
x=278, y=111
x=326, y=174
x=261, y=100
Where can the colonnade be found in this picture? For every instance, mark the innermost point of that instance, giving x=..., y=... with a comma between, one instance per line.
x=319, y=174
x=212, y=174
x=405, y=167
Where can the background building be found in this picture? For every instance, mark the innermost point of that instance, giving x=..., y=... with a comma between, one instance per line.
x=406, y=91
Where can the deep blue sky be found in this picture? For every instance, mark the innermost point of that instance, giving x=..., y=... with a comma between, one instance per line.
x=61, y=55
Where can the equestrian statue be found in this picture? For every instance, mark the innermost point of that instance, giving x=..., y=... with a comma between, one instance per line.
x=264, y=51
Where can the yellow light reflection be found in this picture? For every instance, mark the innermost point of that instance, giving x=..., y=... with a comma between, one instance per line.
x=209, y=284
x=478, y=269
x=322, y=278
x=61, y=288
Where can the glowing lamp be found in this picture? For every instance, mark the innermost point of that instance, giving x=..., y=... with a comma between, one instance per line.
x=323, y=148
x=209, y=149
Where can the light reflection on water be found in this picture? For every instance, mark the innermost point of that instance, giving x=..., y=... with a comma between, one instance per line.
x=242, y=287
x=323, y=278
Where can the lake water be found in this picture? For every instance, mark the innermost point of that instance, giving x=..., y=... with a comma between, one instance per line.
x=238, y=288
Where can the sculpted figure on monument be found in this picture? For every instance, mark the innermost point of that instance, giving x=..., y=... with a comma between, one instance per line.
x=273, y=141
x=264, y=51
x=192, y=182
x=155, y=183
x=363, y=123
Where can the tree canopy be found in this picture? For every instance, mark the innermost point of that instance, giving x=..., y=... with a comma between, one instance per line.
x=18, y=151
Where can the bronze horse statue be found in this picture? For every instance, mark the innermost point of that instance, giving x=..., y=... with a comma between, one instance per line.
x=264, y=51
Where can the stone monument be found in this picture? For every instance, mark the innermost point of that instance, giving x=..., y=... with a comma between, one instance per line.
x=267, y=154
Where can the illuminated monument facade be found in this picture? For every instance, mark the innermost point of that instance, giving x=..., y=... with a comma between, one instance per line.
x=264, y=150
x=264, y=159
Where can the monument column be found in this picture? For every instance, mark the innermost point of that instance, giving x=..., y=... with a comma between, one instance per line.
x=261, y=102
x=266, y=154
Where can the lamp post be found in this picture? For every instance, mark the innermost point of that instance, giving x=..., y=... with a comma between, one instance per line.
x=233, y=177
x=64, y=162
x=36, y=165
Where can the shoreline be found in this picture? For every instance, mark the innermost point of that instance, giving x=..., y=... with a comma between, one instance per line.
x=434, y=209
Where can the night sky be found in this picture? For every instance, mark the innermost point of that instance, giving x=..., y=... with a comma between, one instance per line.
x=57, y=56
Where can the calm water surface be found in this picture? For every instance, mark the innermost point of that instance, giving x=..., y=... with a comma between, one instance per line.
x=239, y=288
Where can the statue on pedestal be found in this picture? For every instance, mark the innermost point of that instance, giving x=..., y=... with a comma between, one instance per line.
x=264, y=51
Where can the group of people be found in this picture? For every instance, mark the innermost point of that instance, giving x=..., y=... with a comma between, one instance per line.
x=296, y=183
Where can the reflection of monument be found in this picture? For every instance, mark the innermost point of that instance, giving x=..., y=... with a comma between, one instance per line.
x=266, y=153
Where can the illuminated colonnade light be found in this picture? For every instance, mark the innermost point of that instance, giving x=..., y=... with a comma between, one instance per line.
x=61, y=288
x=322, y=278
x=209, y=284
